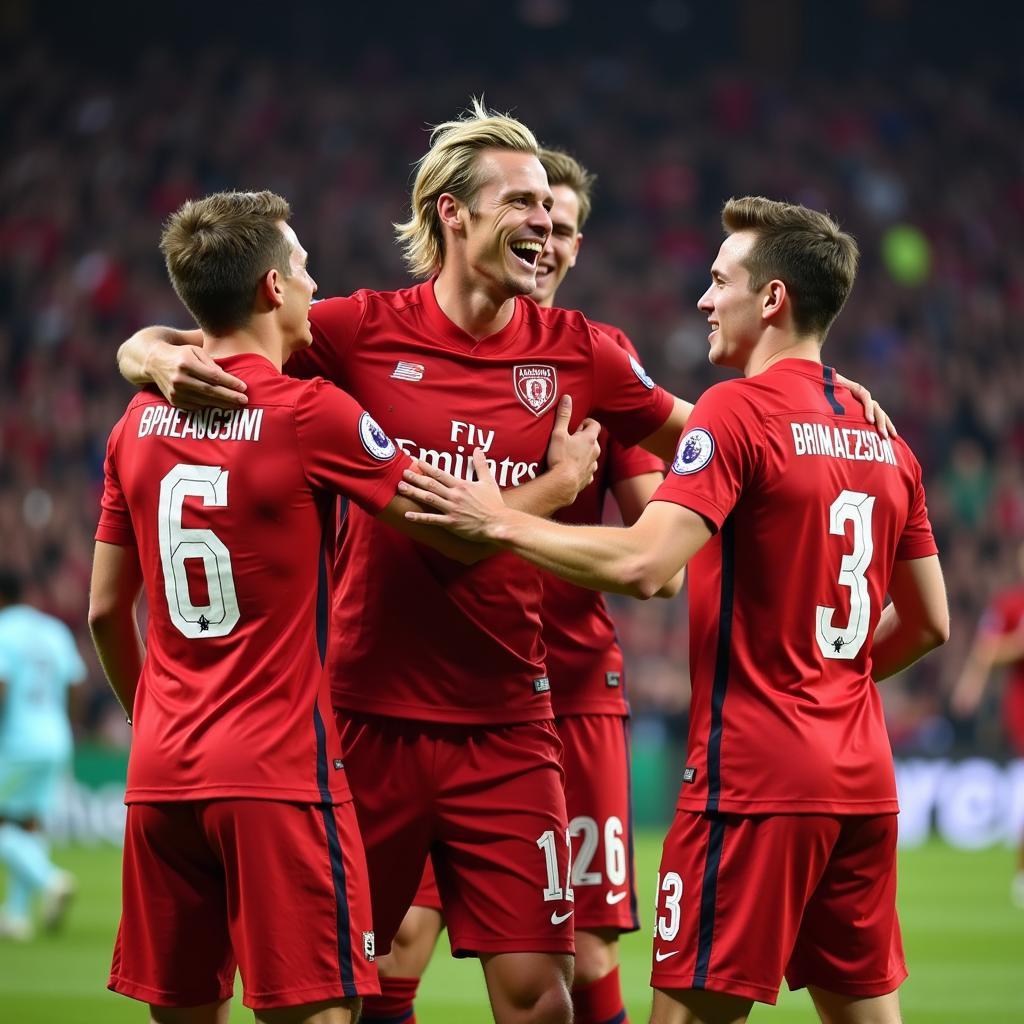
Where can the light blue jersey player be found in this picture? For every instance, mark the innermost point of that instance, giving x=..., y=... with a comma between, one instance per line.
x=39, y=661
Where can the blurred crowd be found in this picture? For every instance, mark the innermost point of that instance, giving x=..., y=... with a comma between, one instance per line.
x=927, y=172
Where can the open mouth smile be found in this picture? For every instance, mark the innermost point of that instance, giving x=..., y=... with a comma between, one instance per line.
x=527, y=251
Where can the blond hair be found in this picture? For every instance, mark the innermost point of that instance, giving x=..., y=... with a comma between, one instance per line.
x=804, y=249
x=451, y=165
x=563, y=169
x=217, y=250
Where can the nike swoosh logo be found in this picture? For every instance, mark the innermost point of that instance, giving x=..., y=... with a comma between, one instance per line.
x=615, y=897
x=557, y=918
x=659, y=956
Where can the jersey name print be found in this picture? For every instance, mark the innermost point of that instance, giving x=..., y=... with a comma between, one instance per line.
x=428, y=638
x=784, y=598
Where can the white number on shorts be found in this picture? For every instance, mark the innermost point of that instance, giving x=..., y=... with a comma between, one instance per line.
x=843, y=644
x=586, y=830
x=668, y=925
x=554, y=891
x=177, y=544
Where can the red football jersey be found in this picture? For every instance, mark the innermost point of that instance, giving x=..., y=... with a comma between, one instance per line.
x=426, y=637
x=233, y=514
x=812, y=508
x=584, y=658
x=1005, y=615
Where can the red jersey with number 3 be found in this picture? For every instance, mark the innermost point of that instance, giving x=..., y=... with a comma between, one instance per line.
x=233, y=515
x=811, y=508
x=583, y=654
x=425, y=637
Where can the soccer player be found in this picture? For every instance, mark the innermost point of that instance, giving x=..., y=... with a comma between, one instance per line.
x=39, y=661
x=588, y=695
x=796, y=523
x=999, y=643
x=241, y=841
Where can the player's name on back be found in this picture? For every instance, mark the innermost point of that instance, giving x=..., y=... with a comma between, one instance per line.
x=202, y=424
x=841, y=443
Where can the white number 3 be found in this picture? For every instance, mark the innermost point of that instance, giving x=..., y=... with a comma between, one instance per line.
x=177, y=544
x=845, y=643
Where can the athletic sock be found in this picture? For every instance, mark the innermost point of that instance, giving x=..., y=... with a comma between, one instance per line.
x=394, y=1004
x=600, y=1002
x=26, y=854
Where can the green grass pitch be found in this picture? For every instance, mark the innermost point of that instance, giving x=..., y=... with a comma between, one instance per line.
x=965, y=945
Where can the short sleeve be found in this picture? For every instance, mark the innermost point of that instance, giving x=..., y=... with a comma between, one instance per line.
x=624, y=463
x=115, y=525
x=335, y=324
x=344, y=450
x=917, y=540
x=626, y=400
x=718, y=456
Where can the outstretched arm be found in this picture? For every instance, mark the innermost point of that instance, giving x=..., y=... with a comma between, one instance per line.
x=116, y=584
x=632, y=495
x=917, y=620
x=638, y=560
x=175, y=362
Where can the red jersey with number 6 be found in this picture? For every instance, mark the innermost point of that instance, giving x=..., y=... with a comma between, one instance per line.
x=811, y=509
x=425, y=637
x=233, y=515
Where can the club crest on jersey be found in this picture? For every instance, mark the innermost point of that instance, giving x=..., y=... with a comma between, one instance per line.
x=536, y=386
x=694, y=452
x=369, y=946
x=642, y=374
x=375, y=441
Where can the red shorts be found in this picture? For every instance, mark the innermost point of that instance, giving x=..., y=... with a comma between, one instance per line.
x=487, y=804
x=1013, y=715
x=427, y=894
x=744, y=901
x=277, y=888
x=596, y=763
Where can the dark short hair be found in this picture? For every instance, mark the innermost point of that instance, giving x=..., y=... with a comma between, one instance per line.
x=563, y=169
x=10, y=587
x=217, y=251
x=804, y=249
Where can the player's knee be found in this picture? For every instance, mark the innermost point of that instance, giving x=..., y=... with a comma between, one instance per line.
x=597, y=955
x=534, y=997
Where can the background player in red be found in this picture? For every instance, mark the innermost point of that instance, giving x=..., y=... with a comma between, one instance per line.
x=999, y=643
x=588, y=694
x=441, y=675
x=236, y=775
x=796, y=522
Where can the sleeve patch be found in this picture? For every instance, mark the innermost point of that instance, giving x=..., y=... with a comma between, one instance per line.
x=696, y=447
x=642, y=374
x=375, y=441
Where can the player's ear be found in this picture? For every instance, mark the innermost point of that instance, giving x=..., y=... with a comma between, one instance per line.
x=451, y=212
x=269, y=290
x=575, y=250
x=773, y=299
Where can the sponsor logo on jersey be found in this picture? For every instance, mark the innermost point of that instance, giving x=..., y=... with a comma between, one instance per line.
x=375, y=441
x=611, y=898
x=694, y=452
x=641, y=374
x=407, y=371
x=542, y=685
x=689, y=774
x=613, y=679
x=536, y=386
x=660, y=956
x=369, y=946
x=557, y=918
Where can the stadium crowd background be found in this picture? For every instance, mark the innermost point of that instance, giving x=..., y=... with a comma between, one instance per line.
x=922, y=159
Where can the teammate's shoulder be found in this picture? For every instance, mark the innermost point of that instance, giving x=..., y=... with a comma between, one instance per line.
x=554, y=318
x=617, y=334
x=400, y=299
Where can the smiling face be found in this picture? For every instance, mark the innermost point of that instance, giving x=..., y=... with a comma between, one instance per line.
x=504, y=235
x=733, y=310
x=559, y=255
x=298, y=290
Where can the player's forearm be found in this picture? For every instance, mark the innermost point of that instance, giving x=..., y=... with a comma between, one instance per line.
x=897, y=644
x=118, y=643
x=596, y=557
x=134, y=354
x=1005, y=650
x=664, y=440
x=545, y=494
